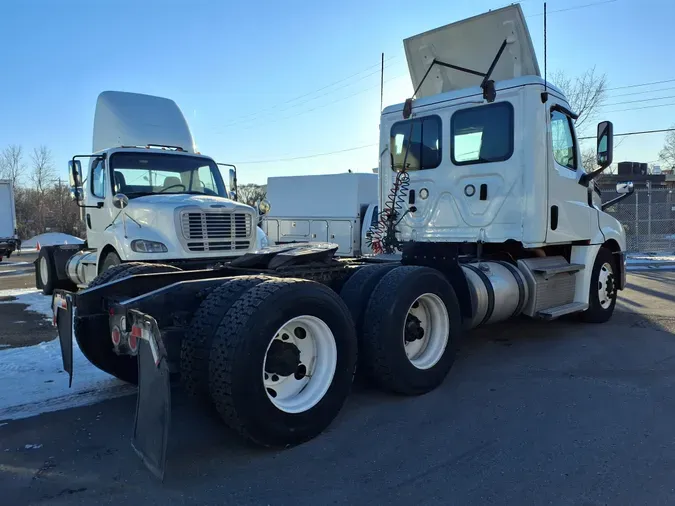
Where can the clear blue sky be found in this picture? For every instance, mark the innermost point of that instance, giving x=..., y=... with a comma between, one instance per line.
x=233, y=67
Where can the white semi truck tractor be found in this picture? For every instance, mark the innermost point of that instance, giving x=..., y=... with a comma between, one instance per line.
x=147, y=197
x=486, y=214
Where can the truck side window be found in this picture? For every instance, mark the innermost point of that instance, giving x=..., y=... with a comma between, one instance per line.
x=206, y=182
x=98, y=179
x=482, y=134
x=562, y=139
x=416, y=144
x=375, y=217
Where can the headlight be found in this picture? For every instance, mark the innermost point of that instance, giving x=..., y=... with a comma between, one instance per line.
x=264, y=242
x=143, y=246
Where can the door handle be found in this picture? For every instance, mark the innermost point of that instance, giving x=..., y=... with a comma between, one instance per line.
x=89, y=221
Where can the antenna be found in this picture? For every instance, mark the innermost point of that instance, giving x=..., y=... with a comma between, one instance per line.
x=382, y=83
x=544, y=96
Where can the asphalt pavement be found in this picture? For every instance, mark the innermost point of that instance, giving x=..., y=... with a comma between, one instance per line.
x=531, y=413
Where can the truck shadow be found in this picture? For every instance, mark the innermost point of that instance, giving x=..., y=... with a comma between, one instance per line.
x=201, y=446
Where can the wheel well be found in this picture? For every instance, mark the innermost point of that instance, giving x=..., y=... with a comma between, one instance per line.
x=612, y=245
x=104, y=252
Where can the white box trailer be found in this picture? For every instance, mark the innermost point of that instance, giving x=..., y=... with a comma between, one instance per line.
x=8, y=237
x=336, y=208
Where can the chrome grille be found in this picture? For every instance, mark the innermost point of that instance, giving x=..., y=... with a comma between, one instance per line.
x=216, y=231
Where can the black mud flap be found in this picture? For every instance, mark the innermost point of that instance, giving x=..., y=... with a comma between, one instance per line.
x=153, y=404
x=64, y=319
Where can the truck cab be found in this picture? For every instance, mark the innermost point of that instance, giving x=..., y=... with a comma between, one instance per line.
x=148, y=196
x=491, y=159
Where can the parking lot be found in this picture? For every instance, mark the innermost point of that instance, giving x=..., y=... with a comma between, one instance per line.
x=532, y=413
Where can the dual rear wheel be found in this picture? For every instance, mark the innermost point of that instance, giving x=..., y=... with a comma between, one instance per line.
x=276, y=358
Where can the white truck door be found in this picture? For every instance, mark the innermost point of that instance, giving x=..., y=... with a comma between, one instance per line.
x=569, y=213
x=96, y=219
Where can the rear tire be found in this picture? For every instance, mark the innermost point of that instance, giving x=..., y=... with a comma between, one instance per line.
x=355, y=293
x=411, y=326
x=99, y=350
x=241, y=362
x=196, y=343
x=603, y=288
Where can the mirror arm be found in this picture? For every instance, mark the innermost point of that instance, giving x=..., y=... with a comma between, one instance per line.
x=615, y=200
x=589, y=176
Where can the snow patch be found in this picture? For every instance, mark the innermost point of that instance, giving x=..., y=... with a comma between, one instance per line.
x=32, y=447
x=33, y=380
x=634, y=258
x=50, y=239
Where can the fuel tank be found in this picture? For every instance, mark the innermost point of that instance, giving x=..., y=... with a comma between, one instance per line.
x=498, y=291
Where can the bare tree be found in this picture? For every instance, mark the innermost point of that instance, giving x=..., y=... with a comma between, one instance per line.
x=41, y=176
x=251, y=193
x=11, y=164
x=667, y=154
x=585, y=93
x=588, y=160
x=43, y=168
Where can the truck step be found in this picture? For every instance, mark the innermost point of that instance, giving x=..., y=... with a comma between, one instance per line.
x=557, y=312
x=558, y=269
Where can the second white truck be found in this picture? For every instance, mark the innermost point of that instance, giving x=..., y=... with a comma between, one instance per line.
x=147, y=196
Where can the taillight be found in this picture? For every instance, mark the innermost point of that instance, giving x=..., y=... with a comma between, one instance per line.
x=134, y=336
x=116, y=335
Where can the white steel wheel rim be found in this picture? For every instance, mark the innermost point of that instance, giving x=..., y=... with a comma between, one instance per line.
x=433, y=319
x=318, y=355
x=606, y=276
x=44, y=271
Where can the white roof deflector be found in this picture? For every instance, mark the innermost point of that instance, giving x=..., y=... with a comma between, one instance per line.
x=471, y=44
x=133, y=119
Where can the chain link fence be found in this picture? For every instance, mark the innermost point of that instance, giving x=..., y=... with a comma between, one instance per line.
x=648, y=217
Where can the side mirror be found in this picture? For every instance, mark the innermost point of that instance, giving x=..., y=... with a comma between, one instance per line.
x=263, y=206
x=605, y=144
x=233, y=184
x=75, y=179
x=625, y=188
x=120, y=201
x=75, y=173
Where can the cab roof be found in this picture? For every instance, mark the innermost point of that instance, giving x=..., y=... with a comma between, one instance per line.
x=476, y=93
x=134, y=119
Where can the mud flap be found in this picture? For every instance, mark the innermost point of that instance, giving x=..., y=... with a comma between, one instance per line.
x=64, y=319
x=153, y=404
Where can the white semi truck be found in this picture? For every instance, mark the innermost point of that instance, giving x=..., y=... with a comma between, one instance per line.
x=9, y=239
x=148, y=197
x=484, y=197
x=336, y=208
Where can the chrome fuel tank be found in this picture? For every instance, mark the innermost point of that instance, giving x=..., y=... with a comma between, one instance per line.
x=498, y=291
x=81, y=267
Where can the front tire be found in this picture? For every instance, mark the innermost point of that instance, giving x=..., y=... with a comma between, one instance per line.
x=411, y=327
x=99, y=350
x=282, y=362
x=603, y=288
x=46, y=271
x=110, y=260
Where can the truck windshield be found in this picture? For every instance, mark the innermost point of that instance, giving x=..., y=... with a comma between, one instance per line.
x=139, y=174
